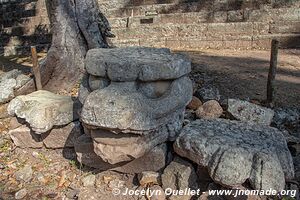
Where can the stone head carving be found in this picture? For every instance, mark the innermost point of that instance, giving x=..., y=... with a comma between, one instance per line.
x=133, y=99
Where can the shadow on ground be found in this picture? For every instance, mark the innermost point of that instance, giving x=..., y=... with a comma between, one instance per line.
x=244, y=74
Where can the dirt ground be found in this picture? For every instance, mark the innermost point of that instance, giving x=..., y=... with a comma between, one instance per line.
x=243, y=74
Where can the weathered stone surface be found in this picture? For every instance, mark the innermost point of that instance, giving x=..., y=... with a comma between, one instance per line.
x=122, y=106
x=195, y=103
x=152, y=161
x=132, y=63
x=133, y=100
x=97, y=83
x=24, y=174
x=21, y=80
x=154, y=89
x=148, y=178
x=116, y=148
x=159, y=193
x=43, y=110
x=62, y=137
x=287, y=119
x=246, y=111
x=209, y=110
x=16, y=123
x=179, y=175
x=21, y=194
x=7, y=90
x=236, y=151
x=84, y=89
x=208, y=92
x=24, y=137
x=89, y=180
x=13, y=74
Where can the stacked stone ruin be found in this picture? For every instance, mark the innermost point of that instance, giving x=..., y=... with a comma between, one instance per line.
x=130, y=119
x=133, y=104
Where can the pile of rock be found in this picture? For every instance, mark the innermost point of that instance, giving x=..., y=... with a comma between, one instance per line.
x=133, y=103
x=241, y=148
x=11, y=84
x=44, y=119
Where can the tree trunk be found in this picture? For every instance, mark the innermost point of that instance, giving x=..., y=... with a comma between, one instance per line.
x=77, y=26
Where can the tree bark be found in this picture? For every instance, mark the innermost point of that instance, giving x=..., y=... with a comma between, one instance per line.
x=76, y=26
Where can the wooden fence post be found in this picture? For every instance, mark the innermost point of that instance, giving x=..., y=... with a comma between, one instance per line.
x=36, y=69
x=272, y=72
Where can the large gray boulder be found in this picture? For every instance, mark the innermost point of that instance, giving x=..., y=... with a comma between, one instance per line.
x=236, y=151
x=42, y=110
x=246, y=111
x=136, y=63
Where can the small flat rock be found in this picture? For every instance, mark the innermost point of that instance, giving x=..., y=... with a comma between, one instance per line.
x=179, y=175
x=236, y=151
x=7, y=90
x=62, y=137
x=246, y=111
x=16, y=123
x=116, y=148
x=152, y=161
x=89, y=180
x=21, y=194
x=132, y=63
x=209, y=110
x=43, y=110
x=24, y=174
x=24, y=137
x=148, y=178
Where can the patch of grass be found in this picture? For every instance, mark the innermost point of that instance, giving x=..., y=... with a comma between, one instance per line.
x=75, y=164
x=72, y=163
x=5, y=147
x=44, y=159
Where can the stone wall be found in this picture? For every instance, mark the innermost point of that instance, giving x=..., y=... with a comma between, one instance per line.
x=176, y=24
x=202, y=24
x=23, y=23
